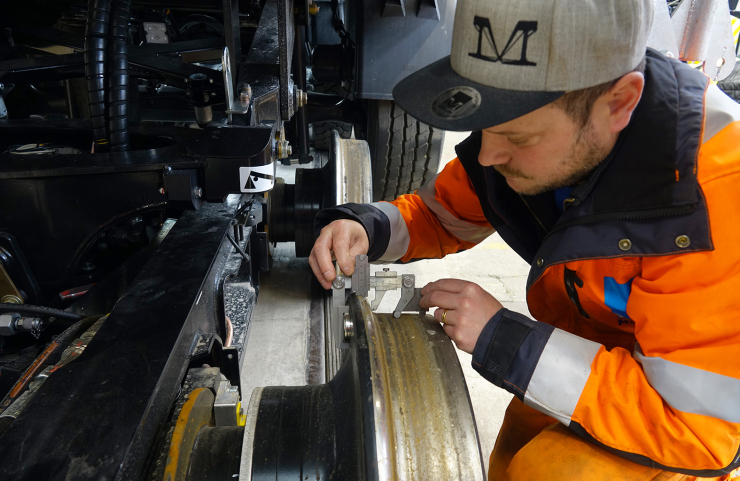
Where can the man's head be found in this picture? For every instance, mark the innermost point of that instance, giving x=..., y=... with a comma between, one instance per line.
x=559, y=144
x=545, y=80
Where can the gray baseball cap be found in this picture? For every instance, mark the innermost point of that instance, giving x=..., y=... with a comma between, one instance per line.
x=510, y=57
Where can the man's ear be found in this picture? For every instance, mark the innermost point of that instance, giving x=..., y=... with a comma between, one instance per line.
x=621, y=100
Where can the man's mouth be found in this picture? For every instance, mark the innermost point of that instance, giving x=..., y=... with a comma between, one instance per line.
x=510, y=173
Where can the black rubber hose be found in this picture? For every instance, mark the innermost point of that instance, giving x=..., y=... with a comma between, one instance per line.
x=39, y=311
x=96, y=33
x=118, y=76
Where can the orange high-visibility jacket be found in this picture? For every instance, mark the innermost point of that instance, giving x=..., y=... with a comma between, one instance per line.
x=636, y=286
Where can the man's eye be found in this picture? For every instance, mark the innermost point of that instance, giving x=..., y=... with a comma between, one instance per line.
x=518, y=142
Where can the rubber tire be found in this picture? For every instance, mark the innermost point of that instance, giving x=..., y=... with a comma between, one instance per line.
x=322, y=133
x=405, y=152
x=731, y=85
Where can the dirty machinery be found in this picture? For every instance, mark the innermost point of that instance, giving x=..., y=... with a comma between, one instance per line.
x=139, y=205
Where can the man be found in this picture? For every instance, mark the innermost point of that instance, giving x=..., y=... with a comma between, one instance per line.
x=620, y=189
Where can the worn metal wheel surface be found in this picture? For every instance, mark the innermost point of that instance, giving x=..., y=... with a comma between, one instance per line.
x=398, y=409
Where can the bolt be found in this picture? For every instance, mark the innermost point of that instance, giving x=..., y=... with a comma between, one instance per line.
x=338, y=282
x=301, y=98
x=349, y=327
x=408, y=281
x=245, y=96
x=198, y=192
x=88, y=266
x=161, y=190
x=167, y=169
x=10, y=299
x=230, y=356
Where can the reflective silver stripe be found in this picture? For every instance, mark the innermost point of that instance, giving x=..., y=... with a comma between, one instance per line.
x=692, y=390
x=561, y=375
x=399, y=242
x=461, y=229
x=721, y=111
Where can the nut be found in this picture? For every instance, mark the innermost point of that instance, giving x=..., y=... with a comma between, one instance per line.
x=7, y=323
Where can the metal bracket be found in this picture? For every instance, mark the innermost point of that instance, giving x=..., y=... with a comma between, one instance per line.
x=361, y=283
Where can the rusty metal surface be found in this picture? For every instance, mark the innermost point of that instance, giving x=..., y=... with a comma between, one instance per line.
x=424, y=421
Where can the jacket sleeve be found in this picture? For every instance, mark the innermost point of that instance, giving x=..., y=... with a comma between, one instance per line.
x=673, y=402
x=442, y=217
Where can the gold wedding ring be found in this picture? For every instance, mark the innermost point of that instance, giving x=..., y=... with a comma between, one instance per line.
x=444, y=316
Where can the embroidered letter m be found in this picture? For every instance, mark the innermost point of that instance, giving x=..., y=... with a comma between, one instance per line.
x=522, y=31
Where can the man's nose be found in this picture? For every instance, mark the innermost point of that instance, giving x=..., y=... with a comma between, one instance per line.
x=493, y=150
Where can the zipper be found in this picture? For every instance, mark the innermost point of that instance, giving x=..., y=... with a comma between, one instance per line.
x=569, y=200
x=533, y=214
x=592, y=219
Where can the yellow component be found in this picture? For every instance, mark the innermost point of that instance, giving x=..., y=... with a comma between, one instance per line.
x=313, y=9
x=8, y=292
x=196, y=413
x=241, y=416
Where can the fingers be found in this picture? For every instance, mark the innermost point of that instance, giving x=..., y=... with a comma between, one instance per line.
x=443, y=299
x=340, y=245
x=320, y=259
x=447, y=319
x=346, y=239
x=449, y=285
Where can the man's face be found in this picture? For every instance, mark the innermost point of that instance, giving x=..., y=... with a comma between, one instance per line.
x=543, y=150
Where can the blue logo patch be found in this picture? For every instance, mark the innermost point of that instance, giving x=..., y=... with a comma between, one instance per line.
x=616, y=295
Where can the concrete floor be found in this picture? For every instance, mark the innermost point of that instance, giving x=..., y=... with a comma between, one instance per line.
x=278, y=344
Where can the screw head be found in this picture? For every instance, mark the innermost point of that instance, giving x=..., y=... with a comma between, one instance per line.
x=625, y=245
x=540, y=262
x=161, y=190
x=408, y=281
x=338, y=282
x=198, y=192
x=386, y=269
x=683, y=241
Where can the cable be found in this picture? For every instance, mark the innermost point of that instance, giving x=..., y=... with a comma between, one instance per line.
x=39, y=311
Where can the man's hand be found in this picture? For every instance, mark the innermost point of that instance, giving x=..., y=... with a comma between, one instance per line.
x=469, y=308
x=345, y=239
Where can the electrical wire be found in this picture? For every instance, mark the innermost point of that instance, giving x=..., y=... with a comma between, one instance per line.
x=39, y=311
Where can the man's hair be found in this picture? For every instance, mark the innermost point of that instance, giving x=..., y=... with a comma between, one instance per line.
x=578, y=104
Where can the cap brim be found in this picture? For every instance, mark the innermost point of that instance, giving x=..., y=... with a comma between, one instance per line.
x=423, y=93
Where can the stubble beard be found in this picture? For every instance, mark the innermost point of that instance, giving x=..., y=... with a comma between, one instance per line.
x=573, y=168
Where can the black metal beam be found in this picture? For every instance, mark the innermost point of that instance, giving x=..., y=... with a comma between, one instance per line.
x=100, y=416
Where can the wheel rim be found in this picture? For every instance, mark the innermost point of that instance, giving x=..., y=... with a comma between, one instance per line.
x=398, y=409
